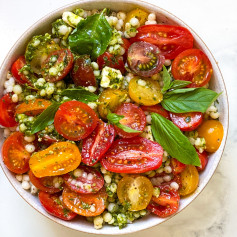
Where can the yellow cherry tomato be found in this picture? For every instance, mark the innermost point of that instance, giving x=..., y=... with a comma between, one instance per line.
x=59, y=158
x=145, y=91
x=212, y=131
x=109, y=100
x=189, y=180
x=138, y=13
x=135, y=190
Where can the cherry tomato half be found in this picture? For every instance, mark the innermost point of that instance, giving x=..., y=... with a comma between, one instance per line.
x=57, y=65
x=187, y=121
x=7, y=114
x=75, y=120
x=133, y=155
x=177, y=166
x=156, y=109
x=126, y=45
x=171, y=40
x=85, y=204
x=97, y=143
x=88, y=180
x=54, y=206
x=192, y=65
x=144, y=59
x=203, y=159
x=138, y=13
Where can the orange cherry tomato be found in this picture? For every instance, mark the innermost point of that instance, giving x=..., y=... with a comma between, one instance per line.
x=59, y=158
x=212, y=131
x=177, y=166
x=138, y=13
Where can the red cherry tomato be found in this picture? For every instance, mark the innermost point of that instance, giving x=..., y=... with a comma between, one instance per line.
x=133, y=155
x=134, y=118
x=156, y=109
x=48, y=139
x=166, y=204
x=61, y=61
x=99, y=141
x=177, y=166
x=145, y=59
x=110, y=60
x=54, y=206
x=8, y=109
x=203, y=159
x=187, y=121
x=82, y=73
x=75, y=120
x=89, y=180
x=192, y=65
x=171, y=40
x=14, y=154
x=44, y=184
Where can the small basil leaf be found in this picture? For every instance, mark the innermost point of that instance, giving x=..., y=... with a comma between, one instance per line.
x=189, y=100
x=173, y=140
x=45, y=119
x=179, y=84
x=166, y=79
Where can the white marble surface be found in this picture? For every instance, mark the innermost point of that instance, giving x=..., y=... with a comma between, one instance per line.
x=214, y=212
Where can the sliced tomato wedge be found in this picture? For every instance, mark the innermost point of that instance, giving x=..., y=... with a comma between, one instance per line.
x=133, y=155
x=75, y=120
x=170, y=39
x=156, y=109
x=187, y=121
x=7, y=114
x=82, y=73
x=134, y=118
x=85, y=204
x=54, y=206
x=57, y=65
x=203, y=159
x=88, y=180
x=177, y=166
x=97, y=143
x=126, y=45
x=192, y=65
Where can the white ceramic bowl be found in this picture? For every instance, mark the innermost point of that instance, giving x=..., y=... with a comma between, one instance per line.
x=217, y=84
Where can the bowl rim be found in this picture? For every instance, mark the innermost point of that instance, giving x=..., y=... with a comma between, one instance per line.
x=139, y=3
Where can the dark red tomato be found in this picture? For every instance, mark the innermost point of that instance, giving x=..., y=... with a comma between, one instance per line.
x=96, y=145
x=88, y=180
x=15, y=70
x=8, y=109
x=166, y=204
x=82, y=73
x=145, y=59
x=110, y=60
x=49, y=140
x=192, y=65
x=177, y=166
x=14, y=154
x=203, y=159
x=133, y=155
x=54, y=206
x=171, y=40
x=44, y=184
x=126, y=45
x=75, y=120
x=187, y=121
x=134, y=118
x=57, y=65
x=156, y=109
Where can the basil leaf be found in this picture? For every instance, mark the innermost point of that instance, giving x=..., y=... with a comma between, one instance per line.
x=173, y=140
x=91, y=36
x=45, y=119
x=179, y=84
x=166, y=79
x=80, y=94
x=115, y=118
x=189, y=100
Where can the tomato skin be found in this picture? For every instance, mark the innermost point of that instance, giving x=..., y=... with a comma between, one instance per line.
x=97, y=179
x=156, y=109
x=177, y=166
x=49, y=140
x=73, y=201
x=187, y=121
x=203, y=159
x=75, y=120
x=55, y=207
x=14, y=154
x=192, y=65
x=126, y=45
x=171, y=40
x=133, y=155
x=7, y=108
x=110, y=60
x=82, y=73
x=97, y=143
x=62, y=55
x=134, y=118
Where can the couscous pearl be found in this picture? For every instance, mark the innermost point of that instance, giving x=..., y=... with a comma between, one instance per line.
x=29, y=138
x=6, y=132
x=17, y=89
x=151, y=17
x=120, y=22
x=91, y=88
x=33, y=189
x=148, y=119
x=111, y=207
x=90, y=176
x=92, y=208
x=107, y=217
x=95, y=65
x=11, y=81
x=115, y=20
x=25, y=185
x=122, y=51
x=121, y=15
x=167, y=62
x=84, y=175
x=19, y=177
x=43, y=92
x=92, y=105
x=167, y=178
x=73, y=182
x=107, y=179
x=30, y=148
x=118, y=26
x=25, y=177
x=174, y=185
x=63, y=30
x=77, y=172
x=98, y=221
x=167, y=162
x=103, y=170
x=134, y=22
x=57, y=185
x=160, y=170
x=168, y=169
x=15, y=98
x=9, y=89
x=150, y=22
